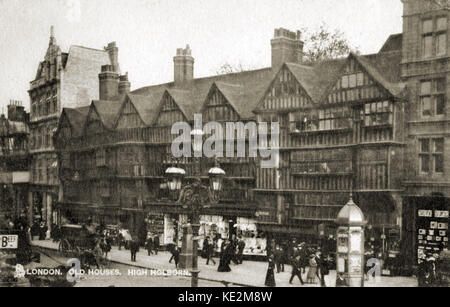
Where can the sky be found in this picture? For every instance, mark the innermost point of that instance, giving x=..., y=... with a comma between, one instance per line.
x=148, y=32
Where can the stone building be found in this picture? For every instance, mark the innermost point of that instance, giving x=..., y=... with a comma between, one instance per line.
x=372, y=125
x=63, y=79
x=14, y=160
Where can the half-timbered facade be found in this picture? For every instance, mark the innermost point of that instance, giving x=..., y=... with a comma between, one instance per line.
x=372, y=126
x=63, y=80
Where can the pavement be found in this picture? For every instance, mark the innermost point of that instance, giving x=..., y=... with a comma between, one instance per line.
x=248, y=274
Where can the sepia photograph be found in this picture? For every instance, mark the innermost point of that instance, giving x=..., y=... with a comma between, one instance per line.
x=245, y=144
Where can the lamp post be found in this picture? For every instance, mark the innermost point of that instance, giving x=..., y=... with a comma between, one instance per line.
x=194, y=197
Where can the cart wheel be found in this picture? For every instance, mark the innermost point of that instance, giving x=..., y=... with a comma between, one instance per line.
x=64, y=247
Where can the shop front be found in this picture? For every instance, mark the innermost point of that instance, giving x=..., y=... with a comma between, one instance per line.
x=425, y=227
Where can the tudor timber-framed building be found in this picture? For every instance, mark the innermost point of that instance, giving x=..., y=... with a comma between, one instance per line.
x=375, y=125
x=63, y=79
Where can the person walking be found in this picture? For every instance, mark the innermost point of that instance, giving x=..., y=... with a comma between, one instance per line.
x=240, y=250
x=270, y=275
x=156, y=244
x=209, y=250
x=97, y=252
x=312, y=272
x=278, y=258
x=176, y=255
x=224, y=262
x=120, y=239
x=323, y=268
x=134, y=248
x=149, y=245
x=296, y=271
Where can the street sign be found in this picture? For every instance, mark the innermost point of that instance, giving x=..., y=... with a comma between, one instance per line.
x=8, y=241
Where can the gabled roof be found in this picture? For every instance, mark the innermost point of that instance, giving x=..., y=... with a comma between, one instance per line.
x=107, y=110
x=146, y=106
x=385, y=69
x=77, y=118
x=190, y=96
x=315, y=79
x=393, y=43
x=185, y=101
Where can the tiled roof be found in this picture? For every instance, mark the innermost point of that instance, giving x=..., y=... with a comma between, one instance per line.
x=146, y=106
x=385, y=69
x=393, y=43
x=191, y=95
x=77, y=118
x=108, y=111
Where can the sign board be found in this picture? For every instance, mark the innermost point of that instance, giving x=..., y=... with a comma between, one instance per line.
x=441, y=214
x=425, y=213
x=8, y=241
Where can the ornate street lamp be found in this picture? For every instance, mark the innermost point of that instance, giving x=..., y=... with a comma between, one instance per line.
x=216, y=175
x=194, y=197
x=174, y=178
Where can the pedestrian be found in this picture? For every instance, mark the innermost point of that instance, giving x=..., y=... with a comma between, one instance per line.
x=233, y=250
x=323, y=266
x=149, y=245
x=278, y=258
x=340, y=280
x=312, y=272
x=171, y=249
x=98, y=255
x=156, y=244
x=240, y=248
x=176, y=255
x=224, y=262
x=42, y=231
x=303, y=252
x=296, y=271
x=120, y=239
x=270, y=276
x=134, y=248
x=209, y=252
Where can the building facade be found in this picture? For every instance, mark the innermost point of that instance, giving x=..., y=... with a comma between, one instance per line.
x=374, y=126
x=14, y=160
x=63, y=79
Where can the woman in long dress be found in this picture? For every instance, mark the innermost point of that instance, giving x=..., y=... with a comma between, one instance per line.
x=224, y=263
x=312, y=272
x=270, y=276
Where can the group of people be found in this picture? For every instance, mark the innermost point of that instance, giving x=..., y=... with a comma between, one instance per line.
x=152, y=244
x=230, y=250
x=299, y=256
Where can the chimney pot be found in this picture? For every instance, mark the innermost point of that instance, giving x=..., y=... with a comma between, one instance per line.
x=183, y=65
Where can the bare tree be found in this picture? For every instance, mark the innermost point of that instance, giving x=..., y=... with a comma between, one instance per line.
x=325, y=44
x=227, y=68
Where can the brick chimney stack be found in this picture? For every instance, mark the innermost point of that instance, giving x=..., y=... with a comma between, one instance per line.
x=113, y=52
x=16, y=111
x=183, y=65
x=124, y=84
x=109, y=83
x=287, y=47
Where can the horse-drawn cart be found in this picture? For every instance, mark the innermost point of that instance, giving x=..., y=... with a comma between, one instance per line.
x=76, y=239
